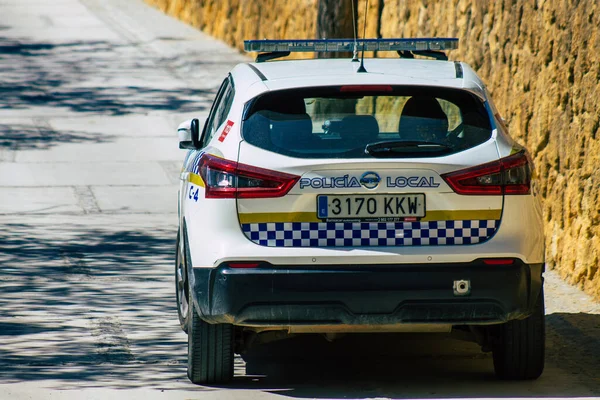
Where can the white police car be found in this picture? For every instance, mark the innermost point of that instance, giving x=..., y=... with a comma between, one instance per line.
x=324, y=196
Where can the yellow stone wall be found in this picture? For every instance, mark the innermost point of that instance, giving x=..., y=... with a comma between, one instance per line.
x=541, y=61
x=235, y=20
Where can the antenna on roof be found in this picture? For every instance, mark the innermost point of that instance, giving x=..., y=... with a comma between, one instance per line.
x=354, y=17
x=362, y=57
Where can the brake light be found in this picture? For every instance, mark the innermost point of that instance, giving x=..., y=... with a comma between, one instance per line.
x=366, y=88
x=507, y=176
x=224, y=179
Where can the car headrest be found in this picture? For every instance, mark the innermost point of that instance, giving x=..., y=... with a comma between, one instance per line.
x=422, y=118
x=359, y=127
x=258, y=127
x=291, y=131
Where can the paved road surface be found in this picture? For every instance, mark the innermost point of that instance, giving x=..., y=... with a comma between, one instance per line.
x=91, y=92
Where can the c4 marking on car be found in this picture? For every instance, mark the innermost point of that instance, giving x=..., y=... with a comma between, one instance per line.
x=196, y=187
x=193, y=193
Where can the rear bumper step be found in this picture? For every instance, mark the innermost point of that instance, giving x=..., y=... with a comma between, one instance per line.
x=363, y=295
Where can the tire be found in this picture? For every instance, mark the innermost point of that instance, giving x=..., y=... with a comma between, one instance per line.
x=210, y=350
x=181, y=284
x=518, y=348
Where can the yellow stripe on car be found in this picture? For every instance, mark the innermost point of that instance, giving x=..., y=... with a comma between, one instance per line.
x=461, y=215
x=254, y=218
x=196, y=179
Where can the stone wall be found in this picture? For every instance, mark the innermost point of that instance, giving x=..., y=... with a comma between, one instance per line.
x=541, y=61
x=235, y=20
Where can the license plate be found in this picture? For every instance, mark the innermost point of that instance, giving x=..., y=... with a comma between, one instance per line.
x=377, y=207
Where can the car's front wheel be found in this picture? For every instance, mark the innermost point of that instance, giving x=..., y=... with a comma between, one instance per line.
x=518, y=347
x=210, y=350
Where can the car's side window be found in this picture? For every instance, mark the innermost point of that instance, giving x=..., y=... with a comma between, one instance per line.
x=210, y=131
x=225, y=105
x=220, y=109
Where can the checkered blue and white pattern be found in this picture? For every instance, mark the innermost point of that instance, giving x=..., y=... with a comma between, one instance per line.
x=353, y=234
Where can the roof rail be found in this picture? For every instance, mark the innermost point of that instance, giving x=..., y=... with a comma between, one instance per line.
x=430, y=47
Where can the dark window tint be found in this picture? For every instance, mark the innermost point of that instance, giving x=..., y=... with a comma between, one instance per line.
x=339, y=122
x=220, y=109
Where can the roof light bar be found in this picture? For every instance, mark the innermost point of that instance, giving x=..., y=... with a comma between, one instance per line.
x=335, y=45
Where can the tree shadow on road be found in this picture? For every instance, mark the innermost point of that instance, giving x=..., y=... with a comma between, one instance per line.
x=89, y=304
x=41, y=136
x=88, y=78
x=93, y=77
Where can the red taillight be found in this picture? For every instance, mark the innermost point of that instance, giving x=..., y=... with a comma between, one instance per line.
x=244, y=265
x=509, y=175
x=224, y=179
x=498, y=261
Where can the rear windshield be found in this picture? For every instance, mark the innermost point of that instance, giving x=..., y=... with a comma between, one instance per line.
x=366, y=121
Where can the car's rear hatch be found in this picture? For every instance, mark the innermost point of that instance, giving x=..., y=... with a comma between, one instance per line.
x=363, y=167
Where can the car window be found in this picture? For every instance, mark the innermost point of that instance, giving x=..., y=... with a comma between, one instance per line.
x=341, y=121
x=220, y=109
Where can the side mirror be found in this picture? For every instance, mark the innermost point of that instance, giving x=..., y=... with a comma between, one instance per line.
x=195, y=131
x=189, y=134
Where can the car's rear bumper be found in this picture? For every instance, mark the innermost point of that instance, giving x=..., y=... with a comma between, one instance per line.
x=279, y=296
x=215, y=238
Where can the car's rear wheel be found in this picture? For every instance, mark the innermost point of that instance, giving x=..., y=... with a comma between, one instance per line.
x=210, y=350
x=518, y=348
x=181, y=284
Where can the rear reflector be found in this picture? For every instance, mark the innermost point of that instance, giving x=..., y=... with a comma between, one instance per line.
x=508, y=176
x=499, y=261
x=226, y=179
x=244, y=265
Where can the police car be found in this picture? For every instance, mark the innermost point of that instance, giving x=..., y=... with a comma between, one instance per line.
x=337, y=196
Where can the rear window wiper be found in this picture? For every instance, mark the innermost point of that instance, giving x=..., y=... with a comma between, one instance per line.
x=404, y=146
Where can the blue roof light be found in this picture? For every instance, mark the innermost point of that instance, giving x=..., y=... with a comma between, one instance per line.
x=336, y=45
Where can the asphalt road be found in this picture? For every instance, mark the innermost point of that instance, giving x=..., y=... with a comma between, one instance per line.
x=91, y=92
